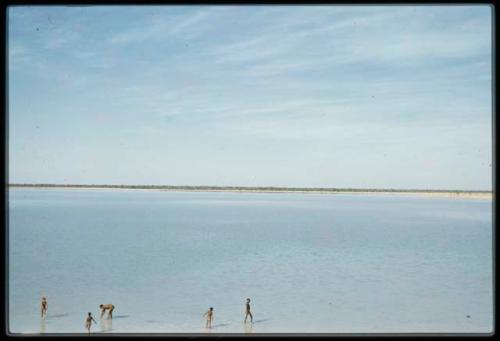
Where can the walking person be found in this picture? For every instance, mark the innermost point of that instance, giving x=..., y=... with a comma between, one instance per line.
x=247, y=311
x=88, y=322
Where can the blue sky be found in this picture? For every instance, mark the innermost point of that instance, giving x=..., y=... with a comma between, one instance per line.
x=313, y=96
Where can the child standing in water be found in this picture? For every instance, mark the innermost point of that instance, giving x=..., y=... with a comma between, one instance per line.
x=209, y=314
x=44, y=305
x=88, y=322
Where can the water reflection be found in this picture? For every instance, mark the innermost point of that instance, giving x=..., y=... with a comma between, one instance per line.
x=106, y=325
x=42, y=326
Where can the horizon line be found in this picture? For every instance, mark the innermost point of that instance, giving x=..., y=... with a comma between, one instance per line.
x=276, y=188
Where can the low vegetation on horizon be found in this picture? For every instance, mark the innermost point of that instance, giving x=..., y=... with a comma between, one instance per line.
x=245, y=188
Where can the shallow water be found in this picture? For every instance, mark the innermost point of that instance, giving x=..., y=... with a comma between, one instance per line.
x=309, y=262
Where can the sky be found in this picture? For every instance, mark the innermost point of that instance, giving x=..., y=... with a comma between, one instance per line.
x=300, y=96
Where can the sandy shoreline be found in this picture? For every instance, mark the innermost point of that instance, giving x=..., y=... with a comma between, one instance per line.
x=438, y=194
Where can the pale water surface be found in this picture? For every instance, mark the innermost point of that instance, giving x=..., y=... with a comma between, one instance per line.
x=309, y=262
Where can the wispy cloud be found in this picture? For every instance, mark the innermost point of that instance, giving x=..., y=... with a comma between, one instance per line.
x=160, y=29
x=364, y=38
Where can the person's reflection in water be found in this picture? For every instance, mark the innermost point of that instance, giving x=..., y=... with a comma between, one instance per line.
x=248, y=328
x=42, y=326
x=106, y=325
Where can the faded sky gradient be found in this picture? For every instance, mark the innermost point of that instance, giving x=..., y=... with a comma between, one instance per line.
x=303, y=96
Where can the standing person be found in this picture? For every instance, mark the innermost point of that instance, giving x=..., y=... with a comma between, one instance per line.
x=44, y=306
x=88, y=321
x=209, y=314
x=109, y=308
x=247, y=311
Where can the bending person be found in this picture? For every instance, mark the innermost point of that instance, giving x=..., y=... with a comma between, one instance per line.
x=107, y=307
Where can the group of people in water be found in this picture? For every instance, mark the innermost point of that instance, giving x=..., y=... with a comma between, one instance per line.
x=210, y=313
x=44, y=305
x=110, y=307
x=104, y=307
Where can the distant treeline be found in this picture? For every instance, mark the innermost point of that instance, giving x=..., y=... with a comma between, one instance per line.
x=241, y=188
